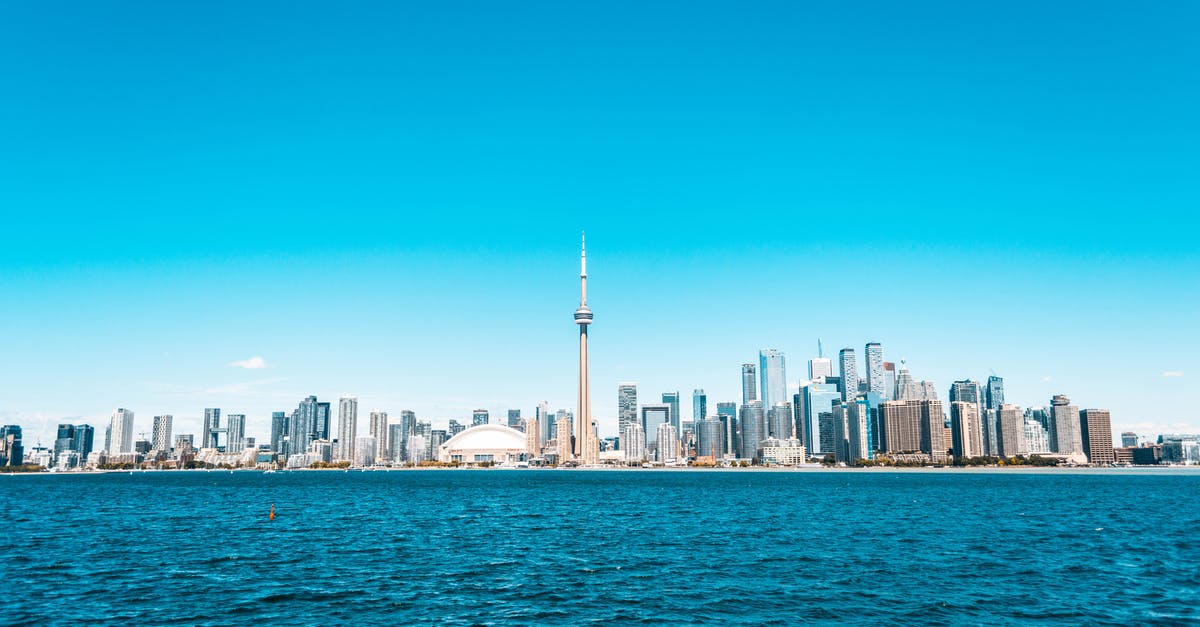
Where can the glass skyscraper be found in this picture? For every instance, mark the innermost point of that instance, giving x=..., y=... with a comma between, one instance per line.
x=848, y=364
x=749, y=385
x=876, y=383
x=699, y=406
x=627, y=407
x=772, y=377
x=818, y=399
x=672, y=399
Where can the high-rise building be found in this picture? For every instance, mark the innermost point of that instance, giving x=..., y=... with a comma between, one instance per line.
x=772, y=374
x=322, y=422
x=364, y=451
x=818, y=399
x=235, y=429
x=408, y=428
x=121, y=432
x=819, y=368
x=633, y=441
x=514, y=419
x=1036, y=440
x=873, y=353
x=1096, y=433
x=749, y=383
x=307, y=422
x=699, y=405
x=799, y=417
x=666, y=443
x=710, y=439
x=727, y=414
x=562, y=437
x=62, y=440
x=545, y=423
x=456, y=427
x=841, y=432
x=208, y=432
x=753, y=429
x=849, y=372
x=672, y=399
x=532, y=448
x=914, y=425
x=479, y=417
x=12, y=449
x=1010, y=431
x=379, y=431
x=858, y=430
x=396, y=440
x=889, y=381
x=780, y=422
x=1066, y=426
x=1045, y=420
x=654, y=414
x=586, y=447
x=279, y=432
x=964, y=429
x=995, y=392
x=1129, y=439
x=627, y=407
x=906, y=388
x=160, y=439
x=347, y=427
x=933, y=431
x=83, y=441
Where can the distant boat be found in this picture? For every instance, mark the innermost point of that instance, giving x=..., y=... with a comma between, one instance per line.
x=272, y=515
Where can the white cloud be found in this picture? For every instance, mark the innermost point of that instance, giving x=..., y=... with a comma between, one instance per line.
x=1047, y=379
x=254, y=363
x=1173, y=373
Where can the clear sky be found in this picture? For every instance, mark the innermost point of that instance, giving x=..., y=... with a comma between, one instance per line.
x=385, y=199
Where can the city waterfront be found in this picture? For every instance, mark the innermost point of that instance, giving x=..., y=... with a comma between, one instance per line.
x=682, y=547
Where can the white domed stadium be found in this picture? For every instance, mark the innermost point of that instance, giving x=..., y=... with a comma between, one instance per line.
x=485, y=443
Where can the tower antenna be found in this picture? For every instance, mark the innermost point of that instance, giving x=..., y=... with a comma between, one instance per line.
x=820, y=352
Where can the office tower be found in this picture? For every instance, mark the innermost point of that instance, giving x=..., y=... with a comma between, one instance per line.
x=1096, y=433
x=627, y=407
x=235, y=429
x=212, y=422
x=456, y=427
x=727, y=414
x=699, y=405
x=1066, y=426
x=305, y=425
x=530, y=427
x=772, y=377
x=121, y=432
x=666, y=443
x=379, y=431
x=928, y=391
x=780, y=422
x=479, y=417
x=876, y=381
x=906, y=387
x=1129, y=439
x=749, y=384
x=83, y=440
x=654, y=414
x=323, y=421
x=408, y=427
x=889, y=381
x=995, y=392
x=672, y=399
x=395, y=440
x=858, y=430
x=514, y=419
x=63, y=439
x=1010, y=431
x=710, y=439
x=818, y=398
x=160, y=439
x=545, y=423
x=1036, y=440
x=841, y=435
x=964, y=429
x=583, y=317
x=820, y=366
x=849, y=373
x=562, y=437
x=364, y=451
x=753, y=429
x=633, y=441
x=799, y=418
x=279, y=431
x=12, y=449
x=347, y=427
x=933, y=436
x=966, y=391
x=902, y=426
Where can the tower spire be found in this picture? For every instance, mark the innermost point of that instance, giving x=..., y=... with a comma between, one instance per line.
x=582, y=269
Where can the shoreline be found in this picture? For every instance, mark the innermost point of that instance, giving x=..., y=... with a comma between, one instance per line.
x=1031, y=470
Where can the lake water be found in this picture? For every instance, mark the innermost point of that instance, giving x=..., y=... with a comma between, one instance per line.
x=667, y=547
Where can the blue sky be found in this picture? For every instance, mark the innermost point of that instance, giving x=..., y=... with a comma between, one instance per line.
x=385, y=199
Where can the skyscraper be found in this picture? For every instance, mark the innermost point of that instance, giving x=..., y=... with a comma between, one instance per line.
x=121, y=432
x=780, y=423
x=1010, y=431
x=514, y=419
x=212, y=422
x=627, y=407
x=63, y=439
x=858, y=435
x=83, y=441
x=710, y=439
x=876, y=384
x=672, y=399
x=321, y=421
x=408, y=427
x=995, y=392
x=479, y=417
x=964, y=429
x=379, y=431
x=818, y=399
x=235, y=428
x=699, y=405
x=849, y=371
x=819, y=367
x=396, y=442
x=279, y=432
x=562, y=437
x=347, y=427
x=666, y=447
x=1129, y=439
x=1096, y=431
x=753, y=429
x=585, y=448
x=161, y=438
x=633, y=441
x=749, y=385
x=1066, y=426
x=906, y=388
x=12, y=449
x=772, y=377
x=889, y=381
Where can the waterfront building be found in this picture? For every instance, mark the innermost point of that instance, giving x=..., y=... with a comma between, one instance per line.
x=699, y=405
x=562, y=438
x=772, y=374
x=749, y=383
x=1175, y=448
x=727, y=414
x=456, y=427
x=933, y=436
x=479, y=417
x=666, y=444
x=858, y=430
x=1010, y=431
x=780, y=421
x=379, y=431
x=633, y=441
x=322, y=422
x=848, y=365
x=1067, y=434
x=160, y=438
x=489, y=443
x=873, y=353
x=279, y=432
x=654, y=414
x=347, y=427
x=235, y=429
x=83, y=440
x=208, y=431
x=120, y=432
x=826, y=436
x=799, y=416
x=12, y=448
x=913, y=425
x=753, y=429
x=906, y=387
x=586, y=447
x=514, y=419
x=364, y=451
x=889, y=381
x=965, y=429
x=1096, y=435
x=1036, y=440
x=672, y=399
x=841, y=433
x=62, y=439
x=545, y=423
x=395, y=442
x=995, y=392
x=627, y=407
x=531, y=437
x=818, y=399
x=710, y=440
x=782, y=452
x=408, y=427
x=1129, y=439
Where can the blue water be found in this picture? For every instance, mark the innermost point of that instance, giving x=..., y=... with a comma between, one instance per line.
x=532, y=547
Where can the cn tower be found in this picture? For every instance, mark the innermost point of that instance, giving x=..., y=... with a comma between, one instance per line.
x=583, y=317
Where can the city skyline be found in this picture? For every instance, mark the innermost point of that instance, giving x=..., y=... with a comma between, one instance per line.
x=399, y=233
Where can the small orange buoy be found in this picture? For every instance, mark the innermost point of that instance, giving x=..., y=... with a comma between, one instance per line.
x=272, y=516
